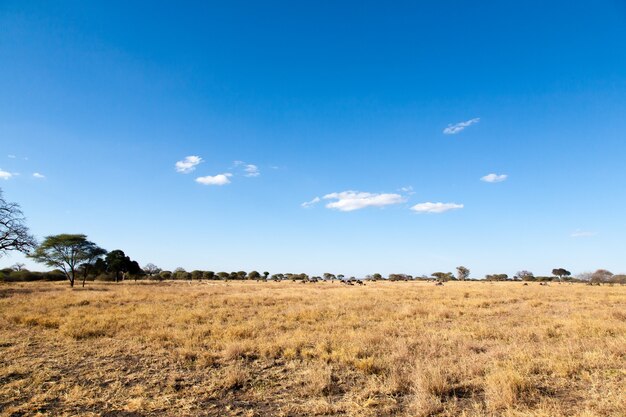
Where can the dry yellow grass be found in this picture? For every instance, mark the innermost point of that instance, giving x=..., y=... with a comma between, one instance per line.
x=288, y=349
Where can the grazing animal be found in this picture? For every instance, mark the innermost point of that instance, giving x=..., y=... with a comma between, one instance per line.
x=525, y=284
x=439, y=283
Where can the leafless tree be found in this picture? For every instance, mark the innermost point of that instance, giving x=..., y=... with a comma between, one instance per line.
x=18, y=266
x=14, y=234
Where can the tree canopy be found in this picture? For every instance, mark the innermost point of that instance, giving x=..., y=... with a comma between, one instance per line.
x=66, y=252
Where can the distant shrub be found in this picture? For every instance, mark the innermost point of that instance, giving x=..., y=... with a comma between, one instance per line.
x=24, y=275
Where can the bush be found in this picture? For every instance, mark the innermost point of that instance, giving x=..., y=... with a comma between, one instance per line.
x=10, y=275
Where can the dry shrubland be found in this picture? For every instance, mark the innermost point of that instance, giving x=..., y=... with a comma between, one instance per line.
x=287, y=349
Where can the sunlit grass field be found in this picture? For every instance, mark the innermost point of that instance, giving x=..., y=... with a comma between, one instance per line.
x=293, y=349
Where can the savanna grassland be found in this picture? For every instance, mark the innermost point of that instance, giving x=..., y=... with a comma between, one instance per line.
x=292, y=349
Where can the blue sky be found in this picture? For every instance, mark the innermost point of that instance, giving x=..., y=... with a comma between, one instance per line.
x=510, y=114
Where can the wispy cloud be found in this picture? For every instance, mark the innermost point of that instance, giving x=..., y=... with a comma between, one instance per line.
x=494, y=178
x=307, y=204
x=249, y=170
x=219, y=179
x=188, y=164
x=38, y=175
x=407, y=190
x=355, y=200
x=453, y=129
x=252, y=170
x=582, y=233
x=11, y=156
x=435, y=207
x=5, y=175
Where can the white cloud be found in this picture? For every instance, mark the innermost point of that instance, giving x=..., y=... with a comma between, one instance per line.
x=307, y=204
x=458, y=127
x=494, y=178
x=435, y=207
x=12, y=156
x=252, y=170
x=4, y=175
x=582, y=233
x=408, y=190
x=38, y=175
x=355, y=200
x=188, y=164
x=219, y=179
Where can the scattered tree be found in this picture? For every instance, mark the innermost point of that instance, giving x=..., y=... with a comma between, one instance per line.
x=118, y=263
x=524, y=276
x=442, y=276
x=496, y=277
x=18, y=266
x=14, y=234
x=462, y=273
x=601, y=276
x=561, y=272
x=64, y=251
x=151, y=269
x=93, y=254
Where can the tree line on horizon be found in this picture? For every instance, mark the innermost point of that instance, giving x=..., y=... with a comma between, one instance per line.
x=73, y=256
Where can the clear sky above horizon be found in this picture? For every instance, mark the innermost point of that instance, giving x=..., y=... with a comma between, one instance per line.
x=315, y=136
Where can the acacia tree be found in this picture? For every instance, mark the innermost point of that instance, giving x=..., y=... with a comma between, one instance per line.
x=462, y=273
x=14, y=234
x=561, y=272
x=64, y=251
x=442, y=276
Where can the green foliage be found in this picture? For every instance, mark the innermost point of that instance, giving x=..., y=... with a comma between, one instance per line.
x=561, y=272
x=23, y=275
x=399, y=277
x=66, y=252
x=442, y=276
x=496, y=277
